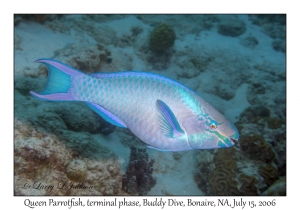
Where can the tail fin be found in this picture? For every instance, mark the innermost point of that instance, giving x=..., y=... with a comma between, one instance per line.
x=59, y=81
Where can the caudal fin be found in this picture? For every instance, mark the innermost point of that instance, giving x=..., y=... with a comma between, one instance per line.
x=59, y=81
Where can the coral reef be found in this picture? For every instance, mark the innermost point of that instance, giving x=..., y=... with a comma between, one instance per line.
x=231, y=26
x=257, y=148
x=17, y=42
x=268, y=93
x=85, y=24
x=192, y=67
x=222, y=183
x=271, y=93
x=44, y=165
x=162, y=37
x=40, y=18
x=279, y=45
x=201, y=62
x=57, y=118
x=252, y=113
x=278, y=188
x=232, y=173
x=204, y=167
x=255, y=91
x=94, y=58
x=83, y=144
x=249, y=41
x=159, y=60
x=224, y=91
x=225, y=157
x=248, y=185
x=158, y=51
x=76, y=170
x=257, y=88
x=222, y=179
x=262, y=19
x=274, y=123
x=263, y=147
x=136, y=30
x=88, y=59
x=217, y=65
x=138, y=178
x=269, y=173
x=280, y=148
x=275, y=27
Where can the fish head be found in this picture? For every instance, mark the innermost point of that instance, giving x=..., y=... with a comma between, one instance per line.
x=210, y=130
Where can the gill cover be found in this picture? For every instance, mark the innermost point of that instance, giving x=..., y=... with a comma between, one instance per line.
x=206, y=133
x=198, y=136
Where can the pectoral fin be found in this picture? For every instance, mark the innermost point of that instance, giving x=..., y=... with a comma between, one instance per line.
x=167, y=121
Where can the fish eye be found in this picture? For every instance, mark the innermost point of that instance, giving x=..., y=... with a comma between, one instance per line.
x=213, y=126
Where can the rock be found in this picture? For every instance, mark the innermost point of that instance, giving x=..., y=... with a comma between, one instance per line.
x=46, y=164
x=230, y=26
x=76, y=170
x=86, y=58
x=249, y=41
x=225, y=92
x=279, y=45
x=277, y=189
x=162, y=37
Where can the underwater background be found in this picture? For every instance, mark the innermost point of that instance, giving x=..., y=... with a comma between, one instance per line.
x=237, y=63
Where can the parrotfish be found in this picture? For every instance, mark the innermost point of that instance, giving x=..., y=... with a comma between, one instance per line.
x=163, y=113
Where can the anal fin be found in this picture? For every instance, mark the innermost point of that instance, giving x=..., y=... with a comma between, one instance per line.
x=161, y=150
x=106, y=115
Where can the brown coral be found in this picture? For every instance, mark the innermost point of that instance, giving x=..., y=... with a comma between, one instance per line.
x=222, y=180
x=257, y=148
x=203, y=169
x=138, y=178
x=278, y=188
x=274, y=123
x=162, y=37
x=248, y=185
x=76, y=170
x=222, y=183
x=223, y=156
x=269, y=173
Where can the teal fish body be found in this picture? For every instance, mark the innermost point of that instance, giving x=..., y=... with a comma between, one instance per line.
x=163, y=113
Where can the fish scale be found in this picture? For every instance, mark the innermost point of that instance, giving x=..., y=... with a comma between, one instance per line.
x=163, y=113
x=143, y=111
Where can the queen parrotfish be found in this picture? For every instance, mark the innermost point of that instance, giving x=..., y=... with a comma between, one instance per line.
x=163, y=113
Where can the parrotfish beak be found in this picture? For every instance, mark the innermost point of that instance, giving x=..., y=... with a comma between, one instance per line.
x=235, y=137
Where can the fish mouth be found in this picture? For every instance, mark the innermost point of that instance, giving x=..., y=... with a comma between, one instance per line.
x=233, y=140
x=235, y=137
